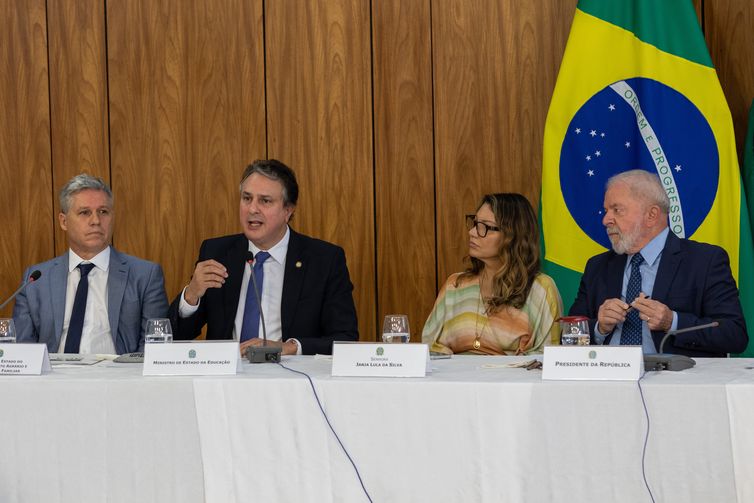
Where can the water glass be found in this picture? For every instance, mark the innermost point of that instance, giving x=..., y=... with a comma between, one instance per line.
x=7, y=331
x=158, y=331
x=395, y=329
x=574, y=331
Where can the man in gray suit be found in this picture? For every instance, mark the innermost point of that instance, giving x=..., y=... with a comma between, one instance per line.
x=91, y=299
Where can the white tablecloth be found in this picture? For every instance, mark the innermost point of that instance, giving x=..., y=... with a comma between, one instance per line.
x=470, y=431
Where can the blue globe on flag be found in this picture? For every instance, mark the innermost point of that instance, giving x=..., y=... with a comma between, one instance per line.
x=639, y=123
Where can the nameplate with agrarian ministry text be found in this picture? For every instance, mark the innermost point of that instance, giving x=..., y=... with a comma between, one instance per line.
x=24, y=359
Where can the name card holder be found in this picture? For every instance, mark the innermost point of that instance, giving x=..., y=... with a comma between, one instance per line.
x=596, y=363
x=196, y=358
x=24, y=359
x=371, y=359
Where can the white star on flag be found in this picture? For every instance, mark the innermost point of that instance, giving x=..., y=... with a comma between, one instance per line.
x=611, y=107
x=593, y=133
x=597, y=153
x=578, y=130
x=628, y=144
x=589, y=158
x=590, y=172
x=678, y=167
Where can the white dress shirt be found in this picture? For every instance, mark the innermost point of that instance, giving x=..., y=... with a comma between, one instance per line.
x=272, y=293
x=96, y=336
x=272, y=290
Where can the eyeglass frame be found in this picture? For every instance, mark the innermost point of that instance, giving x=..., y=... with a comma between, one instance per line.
x=471, y=221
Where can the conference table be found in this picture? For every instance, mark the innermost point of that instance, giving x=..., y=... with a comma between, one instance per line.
x=474, y=429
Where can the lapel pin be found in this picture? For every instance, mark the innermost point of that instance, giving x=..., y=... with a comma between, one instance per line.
x=298, y=265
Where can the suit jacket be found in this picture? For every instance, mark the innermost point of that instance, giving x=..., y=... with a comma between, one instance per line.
x=693, y=279
x=317, y=303
x=135, y=293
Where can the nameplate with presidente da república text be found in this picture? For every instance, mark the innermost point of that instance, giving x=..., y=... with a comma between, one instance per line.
x=24, y=359
x=371, y=359
x=596, y=363
x=197, y=358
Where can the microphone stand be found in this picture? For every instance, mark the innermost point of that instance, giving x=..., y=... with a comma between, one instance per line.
x=31, y=279
x=662, y=361
x=263, y=353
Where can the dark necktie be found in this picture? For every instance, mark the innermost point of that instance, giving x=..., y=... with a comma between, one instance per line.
x=631, y=333
x=76, y=324
x=250, y=327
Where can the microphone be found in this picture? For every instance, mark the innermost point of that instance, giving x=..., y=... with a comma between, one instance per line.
x=662, y=361
x=263, y=353
x=32, y=278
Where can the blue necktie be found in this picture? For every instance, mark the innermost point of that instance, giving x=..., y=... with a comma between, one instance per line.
x=631, y=333
x=76, y=323
x=250, y=327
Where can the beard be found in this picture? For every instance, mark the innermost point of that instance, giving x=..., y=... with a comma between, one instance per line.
x=623, y=241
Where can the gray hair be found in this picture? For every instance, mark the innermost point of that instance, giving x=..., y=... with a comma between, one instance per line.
x=79, y=183
x=644, y=186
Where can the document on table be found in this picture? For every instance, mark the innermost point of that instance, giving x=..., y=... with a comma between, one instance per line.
x=75, y=359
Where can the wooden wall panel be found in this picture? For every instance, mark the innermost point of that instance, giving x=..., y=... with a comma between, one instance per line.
x=320, y=123
x=495, y=66
x=187, y=115
x=730, y=38
x=25, y=173
x=78, y=95
x=404, y=163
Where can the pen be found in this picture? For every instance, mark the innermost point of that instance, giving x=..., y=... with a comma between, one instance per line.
x=631, y=307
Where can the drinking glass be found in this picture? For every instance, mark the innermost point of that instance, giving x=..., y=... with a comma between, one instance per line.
x=574, y=331
x=395, y=329
x=158, y=330
x=7, y=331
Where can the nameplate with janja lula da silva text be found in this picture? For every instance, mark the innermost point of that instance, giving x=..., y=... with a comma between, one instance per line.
x=198, y=358
x=597, y=363
x=370, y=359
x=24, y=359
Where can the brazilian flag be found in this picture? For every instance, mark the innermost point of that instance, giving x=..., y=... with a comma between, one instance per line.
x=637, y=89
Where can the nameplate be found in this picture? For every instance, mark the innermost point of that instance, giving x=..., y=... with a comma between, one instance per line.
x=196, y=358
x=599, y=363
x=24, y=359
x=368, y=359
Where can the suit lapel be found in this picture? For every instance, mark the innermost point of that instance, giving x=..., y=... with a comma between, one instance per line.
x=295, y=267
x=58, y=289
x=616, y=267
x=117, y=276
x=671, y=259
x=235, y=261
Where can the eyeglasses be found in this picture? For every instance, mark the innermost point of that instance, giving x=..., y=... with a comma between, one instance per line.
x=481, y=228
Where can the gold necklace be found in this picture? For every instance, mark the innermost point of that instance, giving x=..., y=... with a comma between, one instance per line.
x=477, y=333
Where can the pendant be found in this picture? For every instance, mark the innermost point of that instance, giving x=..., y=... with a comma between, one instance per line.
x=477, y=344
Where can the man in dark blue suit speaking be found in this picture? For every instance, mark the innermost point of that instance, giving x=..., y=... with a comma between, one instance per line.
x=652, y=281
x=305, y=289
